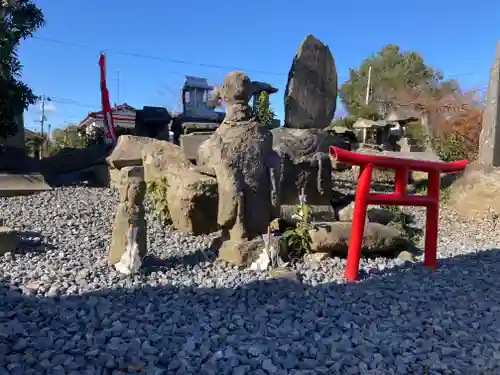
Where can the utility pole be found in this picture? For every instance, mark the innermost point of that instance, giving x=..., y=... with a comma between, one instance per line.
x=42, y=119
x=49, y=132
x=118, y=87
x=367, y=98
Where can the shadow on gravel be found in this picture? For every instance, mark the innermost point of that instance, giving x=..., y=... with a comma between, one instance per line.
x=404, y=320
x=152, y=263
x=32, y=242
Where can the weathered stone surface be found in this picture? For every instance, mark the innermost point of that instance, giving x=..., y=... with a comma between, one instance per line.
x=190, y=143
x=9, y=240
x=405, y=255
x=14, y=184
x=114, y=178
x=241, y=156
x=160, y=157
x=374, y=215
x=383, y=176
x=243, y=252
x=192, y=197
x=305, y=163
x=192, y=200
x=311, y=91
x=128, y=151
x=284, y=274
x=378, y=239
x=489, y=141
x=130, y=211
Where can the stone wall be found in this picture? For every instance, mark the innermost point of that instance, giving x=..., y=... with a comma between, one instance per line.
x=16, y=140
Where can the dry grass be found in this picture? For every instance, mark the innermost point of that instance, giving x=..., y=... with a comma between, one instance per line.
x=476, y=194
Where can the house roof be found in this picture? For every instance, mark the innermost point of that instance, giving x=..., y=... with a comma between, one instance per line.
x=196, y=82
x=31, y=134
x=403, y=115
x=116, y=108
x=363, y=123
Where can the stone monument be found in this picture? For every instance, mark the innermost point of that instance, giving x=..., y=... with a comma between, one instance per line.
x=240, y=155
x=475, y=194
x=489, y=141
x=303, y=144
x=311, y=90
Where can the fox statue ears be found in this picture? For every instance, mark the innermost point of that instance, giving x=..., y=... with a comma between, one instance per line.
x=216, y=95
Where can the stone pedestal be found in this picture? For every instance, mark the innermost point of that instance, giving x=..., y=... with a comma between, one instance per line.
x=305, y=164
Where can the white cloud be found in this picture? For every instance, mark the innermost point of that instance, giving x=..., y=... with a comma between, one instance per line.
x=49, y=107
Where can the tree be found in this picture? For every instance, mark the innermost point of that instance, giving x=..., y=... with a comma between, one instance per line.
x=19, y=19
x=265, y=113
x=392, y=72
x=67, y=137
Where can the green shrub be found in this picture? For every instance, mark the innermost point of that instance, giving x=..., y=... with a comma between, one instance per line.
x=450, y=147
x=415, y=131
x=157, y=194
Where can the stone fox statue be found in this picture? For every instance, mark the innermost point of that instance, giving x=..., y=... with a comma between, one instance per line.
x=241, y=157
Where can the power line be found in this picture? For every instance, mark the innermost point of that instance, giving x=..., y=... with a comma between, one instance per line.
x=58, y=100
x=159, y=58
x=192, y=63
x=65, y=101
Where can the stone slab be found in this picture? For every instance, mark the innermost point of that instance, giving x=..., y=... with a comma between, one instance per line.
x=13, y=184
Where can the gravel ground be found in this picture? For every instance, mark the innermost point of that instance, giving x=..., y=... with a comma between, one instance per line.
x=63, y=311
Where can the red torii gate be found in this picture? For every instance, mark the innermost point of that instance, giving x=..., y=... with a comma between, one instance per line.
x=399, y=197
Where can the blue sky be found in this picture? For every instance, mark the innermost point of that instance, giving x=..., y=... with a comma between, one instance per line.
x=259, y=37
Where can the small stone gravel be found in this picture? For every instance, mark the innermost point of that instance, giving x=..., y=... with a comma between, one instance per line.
x=64, y=311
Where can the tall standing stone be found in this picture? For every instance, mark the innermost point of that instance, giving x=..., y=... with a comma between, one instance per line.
x=311, y=91
x=130, y=211
x=489, y=141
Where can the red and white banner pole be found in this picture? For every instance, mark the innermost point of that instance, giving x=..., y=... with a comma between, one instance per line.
x=109, y=125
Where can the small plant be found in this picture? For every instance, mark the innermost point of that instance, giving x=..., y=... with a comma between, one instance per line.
x=264, y=112
x=298, y=239
x=157, y=194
